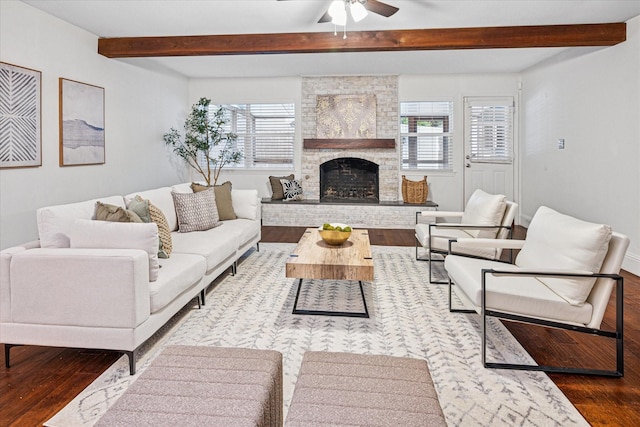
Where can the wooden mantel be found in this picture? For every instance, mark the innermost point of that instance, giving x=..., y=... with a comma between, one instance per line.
x=349, y=143
x=608, y=34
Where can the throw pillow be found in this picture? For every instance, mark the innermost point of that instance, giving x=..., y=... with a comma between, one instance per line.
x=484, y=209
x=113, y=213
x=196, y=211
x=292, y=190
x=196, y=188
x=141, y=207
x=561, y=242
x=156, y=215
x=223, y=199
x=277, y=192
x=118, y=235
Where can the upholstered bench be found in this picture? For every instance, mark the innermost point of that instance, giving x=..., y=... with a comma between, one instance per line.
x=363, y=390
x=204, y=386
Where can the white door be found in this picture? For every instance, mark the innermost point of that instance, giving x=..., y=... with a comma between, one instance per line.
x=489, y=136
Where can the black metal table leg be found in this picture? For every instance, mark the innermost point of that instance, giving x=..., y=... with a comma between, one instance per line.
x=365, y=314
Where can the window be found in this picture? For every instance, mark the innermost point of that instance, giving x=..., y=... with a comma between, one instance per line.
x=489, y=129
x=265, y=132
x=426, y=131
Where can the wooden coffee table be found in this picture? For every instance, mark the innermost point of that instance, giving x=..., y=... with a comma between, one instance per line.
x=312, y=258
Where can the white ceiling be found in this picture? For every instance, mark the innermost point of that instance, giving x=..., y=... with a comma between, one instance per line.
x=121, y=18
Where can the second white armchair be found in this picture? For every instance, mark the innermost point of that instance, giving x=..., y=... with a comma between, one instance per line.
x=485, y=216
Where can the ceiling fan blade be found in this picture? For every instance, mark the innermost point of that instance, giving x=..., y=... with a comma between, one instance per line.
x=380, y=8
x=325, y=18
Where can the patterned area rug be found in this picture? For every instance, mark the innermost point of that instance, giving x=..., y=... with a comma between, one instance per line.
x=409, y=317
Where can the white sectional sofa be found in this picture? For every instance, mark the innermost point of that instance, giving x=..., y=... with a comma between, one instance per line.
x=61, y=293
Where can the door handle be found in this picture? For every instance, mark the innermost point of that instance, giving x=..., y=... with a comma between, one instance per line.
x=467, y=157
x=467, y=165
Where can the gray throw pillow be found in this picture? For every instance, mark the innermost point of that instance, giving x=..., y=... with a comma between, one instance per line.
x=141, y=207
x=196, y=211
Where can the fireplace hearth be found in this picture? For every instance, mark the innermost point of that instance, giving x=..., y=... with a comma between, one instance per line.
x=349, y=180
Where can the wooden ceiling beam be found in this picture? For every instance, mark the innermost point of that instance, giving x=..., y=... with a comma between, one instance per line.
x=367, y=41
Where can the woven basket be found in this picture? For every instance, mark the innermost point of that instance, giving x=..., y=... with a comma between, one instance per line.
x=414, y=192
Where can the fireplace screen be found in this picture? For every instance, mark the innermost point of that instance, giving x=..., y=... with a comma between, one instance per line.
x=349, y=180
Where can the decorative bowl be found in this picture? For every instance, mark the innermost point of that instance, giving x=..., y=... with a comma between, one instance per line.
x=334, y=237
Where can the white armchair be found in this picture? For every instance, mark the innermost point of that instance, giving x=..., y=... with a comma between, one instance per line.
x=488, y=216
x=563, y=278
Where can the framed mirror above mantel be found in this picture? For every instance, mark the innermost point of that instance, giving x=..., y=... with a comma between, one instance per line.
x=349, y=143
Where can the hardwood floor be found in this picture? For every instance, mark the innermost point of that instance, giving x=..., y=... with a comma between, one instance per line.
x=43, y=380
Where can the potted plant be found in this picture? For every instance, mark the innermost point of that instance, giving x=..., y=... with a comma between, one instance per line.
x=203, y=133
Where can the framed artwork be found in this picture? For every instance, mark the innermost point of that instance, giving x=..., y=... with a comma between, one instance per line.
x=20, y=117
x=345, y=116
x=81, y=124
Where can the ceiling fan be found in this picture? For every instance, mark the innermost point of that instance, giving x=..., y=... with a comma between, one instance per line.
x=357, y=8
x=338, y=10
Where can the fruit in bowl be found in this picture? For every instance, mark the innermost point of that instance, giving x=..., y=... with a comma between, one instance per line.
x=335, y=233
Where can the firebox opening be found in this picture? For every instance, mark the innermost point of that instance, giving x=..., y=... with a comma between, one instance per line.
x=349, y=180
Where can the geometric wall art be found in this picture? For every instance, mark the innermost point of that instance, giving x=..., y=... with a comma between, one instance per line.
x=20, y=117
x=81, y=124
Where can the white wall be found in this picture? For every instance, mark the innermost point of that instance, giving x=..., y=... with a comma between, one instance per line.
x=593, y=102
x=446, y=189
x=138, y=105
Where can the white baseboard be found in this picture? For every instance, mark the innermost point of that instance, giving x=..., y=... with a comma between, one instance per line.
x=631, y=263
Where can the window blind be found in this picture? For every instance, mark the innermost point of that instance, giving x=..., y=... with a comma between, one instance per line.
x=426, y=133
x=489, y=129
x=265, y=133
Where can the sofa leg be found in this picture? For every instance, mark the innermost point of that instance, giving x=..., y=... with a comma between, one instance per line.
x=132, y=361
x=7, y=349
x=258, y=247
x=201, y=300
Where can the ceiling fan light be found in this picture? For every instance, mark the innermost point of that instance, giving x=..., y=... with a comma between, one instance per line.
x=342, y=20
x=336, y=8
x=339, y=14
x=358, y=11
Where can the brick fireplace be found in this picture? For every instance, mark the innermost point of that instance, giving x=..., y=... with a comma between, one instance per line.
x=316, y=209
x=386, y=90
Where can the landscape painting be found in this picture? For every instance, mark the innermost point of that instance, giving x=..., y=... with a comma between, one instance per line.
x=81, y=124
x=20, y=129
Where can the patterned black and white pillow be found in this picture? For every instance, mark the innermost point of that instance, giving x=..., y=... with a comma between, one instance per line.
x=292, y=190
